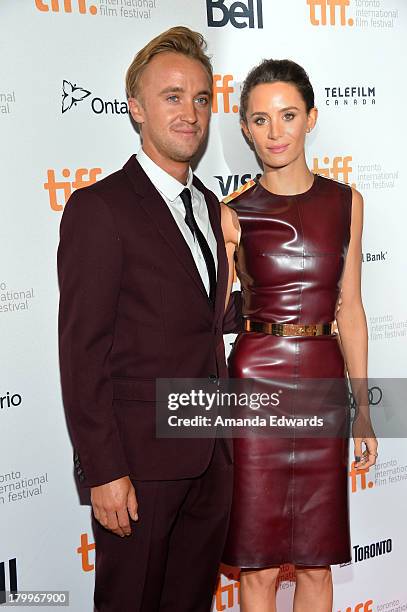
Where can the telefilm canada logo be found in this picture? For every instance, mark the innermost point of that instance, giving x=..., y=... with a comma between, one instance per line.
x=350, y=95
x=73, y=94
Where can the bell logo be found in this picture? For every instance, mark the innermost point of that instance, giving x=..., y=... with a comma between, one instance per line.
x=12, y=579
x=239, y=14
x=66, y=5
x=83, y=550
x=53, y=186
x=339, y=169
x=225, y=90
x=361, y=607
x=323, y=6
x=358, y=479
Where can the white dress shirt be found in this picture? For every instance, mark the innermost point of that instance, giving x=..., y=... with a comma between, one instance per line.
x=170, y=189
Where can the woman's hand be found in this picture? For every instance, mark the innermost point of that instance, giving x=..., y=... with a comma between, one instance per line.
x=364, y=436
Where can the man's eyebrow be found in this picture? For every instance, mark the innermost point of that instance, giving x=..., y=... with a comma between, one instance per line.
x=170, y=89
x=178, y=89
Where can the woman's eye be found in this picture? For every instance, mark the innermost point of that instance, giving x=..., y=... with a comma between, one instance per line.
x=260, y=121
x=289, y=116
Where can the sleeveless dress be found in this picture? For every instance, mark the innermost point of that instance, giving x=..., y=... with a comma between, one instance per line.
x=290, y=501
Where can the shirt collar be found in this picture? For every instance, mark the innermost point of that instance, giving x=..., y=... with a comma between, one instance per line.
x=166, y=184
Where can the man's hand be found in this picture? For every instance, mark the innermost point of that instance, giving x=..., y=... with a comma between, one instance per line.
x=112, y=504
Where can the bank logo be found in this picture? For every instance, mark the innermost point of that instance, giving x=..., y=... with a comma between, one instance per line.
x=339, y=168
x=82, y=178
x=71, y=95
x=83, y=550
x=10, y=581
x=366, y=606
x=65, y=6
x=242, y=14
x=337, y=9
x=378, y=256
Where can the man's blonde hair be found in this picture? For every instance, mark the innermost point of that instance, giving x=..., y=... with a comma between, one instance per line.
x=177, y=40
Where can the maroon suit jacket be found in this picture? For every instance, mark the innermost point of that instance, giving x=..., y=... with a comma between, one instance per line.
x=133, y=308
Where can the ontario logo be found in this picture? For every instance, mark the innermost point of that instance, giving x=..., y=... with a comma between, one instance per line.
x=72, y=94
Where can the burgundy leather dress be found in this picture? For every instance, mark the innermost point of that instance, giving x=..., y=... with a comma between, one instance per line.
x=290, y=500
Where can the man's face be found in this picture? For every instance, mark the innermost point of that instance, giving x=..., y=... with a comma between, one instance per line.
x=173, y=107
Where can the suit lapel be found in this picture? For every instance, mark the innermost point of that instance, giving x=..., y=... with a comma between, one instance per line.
x=161, y=216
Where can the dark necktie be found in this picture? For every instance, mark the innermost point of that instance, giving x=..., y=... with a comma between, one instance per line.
x=196, y=232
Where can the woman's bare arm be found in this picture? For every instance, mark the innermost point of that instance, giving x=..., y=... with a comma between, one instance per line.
x=351, y=320
x=231, y=234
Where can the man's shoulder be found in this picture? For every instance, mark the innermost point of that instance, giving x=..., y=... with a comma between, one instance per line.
x=204, y=189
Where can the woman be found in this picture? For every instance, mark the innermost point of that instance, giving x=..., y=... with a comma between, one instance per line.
x=296, y=238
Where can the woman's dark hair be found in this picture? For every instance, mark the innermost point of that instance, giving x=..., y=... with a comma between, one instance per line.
x=273, y=71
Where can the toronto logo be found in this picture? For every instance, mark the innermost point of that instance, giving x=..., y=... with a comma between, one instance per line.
x=71, y=95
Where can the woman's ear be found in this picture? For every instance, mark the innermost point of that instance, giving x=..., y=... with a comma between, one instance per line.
x=312, y=118
x=246, y=131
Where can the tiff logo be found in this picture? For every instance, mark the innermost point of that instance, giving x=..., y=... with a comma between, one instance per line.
x=231, y=590
x=53, y=186
x=358, y=478
x=12, y=579
x=340, y=169
x=225, y=90
x=66, y=6
x=239, y=14
x=83, y=550
x=335, y=7
x=364, y=606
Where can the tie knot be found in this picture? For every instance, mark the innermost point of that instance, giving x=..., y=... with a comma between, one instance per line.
x=185, y=196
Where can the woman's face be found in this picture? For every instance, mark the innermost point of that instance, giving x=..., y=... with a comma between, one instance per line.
x=277, y=121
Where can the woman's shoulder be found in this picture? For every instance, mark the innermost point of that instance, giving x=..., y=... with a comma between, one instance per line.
x=235, y=197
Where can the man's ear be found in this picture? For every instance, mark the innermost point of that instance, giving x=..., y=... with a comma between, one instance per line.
x=136, y=110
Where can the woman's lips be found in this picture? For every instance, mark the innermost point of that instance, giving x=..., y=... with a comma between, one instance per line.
x=279, y=149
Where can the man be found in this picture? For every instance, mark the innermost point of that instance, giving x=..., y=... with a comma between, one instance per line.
x=143, y=275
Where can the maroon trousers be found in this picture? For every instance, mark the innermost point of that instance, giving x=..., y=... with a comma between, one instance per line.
x=171, y=560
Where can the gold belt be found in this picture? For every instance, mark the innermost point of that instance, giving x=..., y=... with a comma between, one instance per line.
x=289, y=329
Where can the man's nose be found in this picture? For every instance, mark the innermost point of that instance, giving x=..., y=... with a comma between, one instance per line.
x=189, y=112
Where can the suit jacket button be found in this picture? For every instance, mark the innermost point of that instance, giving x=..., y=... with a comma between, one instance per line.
x=213, y=378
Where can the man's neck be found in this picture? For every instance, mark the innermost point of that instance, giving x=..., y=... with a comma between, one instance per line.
x=178, y=170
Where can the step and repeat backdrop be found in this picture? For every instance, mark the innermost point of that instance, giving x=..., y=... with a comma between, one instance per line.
x=64, y=124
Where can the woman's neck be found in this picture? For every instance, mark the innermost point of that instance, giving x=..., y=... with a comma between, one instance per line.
x=288, y=180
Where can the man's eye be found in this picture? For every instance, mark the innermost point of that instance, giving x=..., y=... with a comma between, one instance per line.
x=289, y=116
x=173, y=98
x=202, y=101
